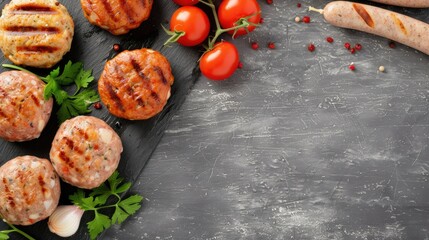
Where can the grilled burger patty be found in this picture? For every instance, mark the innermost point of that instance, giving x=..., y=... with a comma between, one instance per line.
x=35, y=33
x=24, y=112
x=29, y=190
x=136, y=84
x=85, y=151
x=117, y=16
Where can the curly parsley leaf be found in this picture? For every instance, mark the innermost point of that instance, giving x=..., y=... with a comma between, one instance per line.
x=72, y=105
x=97, y=199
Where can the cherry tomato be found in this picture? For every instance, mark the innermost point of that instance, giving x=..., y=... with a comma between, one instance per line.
x=230, y=11
x=185, y=2
x=193, y=22
x=220, y=62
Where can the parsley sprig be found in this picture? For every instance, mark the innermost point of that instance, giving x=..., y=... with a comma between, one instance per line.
x=97, y=200
x=4, y=234
x=72, y=105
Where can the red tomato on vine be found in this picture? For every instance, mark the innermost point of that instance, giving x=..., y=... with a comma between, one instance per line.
x=231, y=11
x=191, y=24
x=220, y=62
x=185, y=2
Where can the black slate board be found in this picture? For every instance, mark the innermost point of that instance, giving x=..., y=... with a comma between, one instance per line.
x=93, y=46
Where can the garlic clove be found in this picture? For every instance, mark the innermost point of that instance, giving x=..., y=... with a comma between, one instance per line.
x=65, y=220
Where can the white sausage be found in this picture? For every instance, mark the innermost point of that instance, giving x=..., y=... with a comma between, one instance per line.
x=378, y=21
x=406, y=3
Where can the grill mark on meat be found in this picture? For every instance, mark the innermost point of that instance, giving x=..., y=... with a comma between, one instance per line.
x=364, y=15
x=31, y=30
x=66, y=159
x=83, y=133
x=155, y=96
x=114, y=97
x=8, y=193
x=69, y=142
x=128, y=11
x=2, y=114
x=32, y=8
x=109, y=10
x=399, y=23
x=35, y=100
x=140, y=73
x=37, y=49
x=158, y=70
x=138, y=69
x=42, y=184
x=71, y=145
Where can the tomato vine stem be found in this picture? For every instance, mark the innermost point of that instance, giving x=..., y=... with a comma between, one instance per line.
x=241, y=23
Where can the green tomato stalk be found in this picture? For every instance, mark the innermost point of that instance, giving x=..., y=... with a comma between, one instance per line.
x=241, y=23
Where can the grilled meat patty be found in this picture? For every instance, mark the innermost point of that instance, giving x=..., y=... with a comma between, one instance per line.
x=29, y=190
x=117, y=16
x=136, y=84
x=35, y=33
x=85, y=151
x=24, y=112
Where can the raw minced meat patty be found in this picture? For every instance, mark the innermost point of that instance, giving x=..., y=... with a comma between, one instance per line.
x=24, y=112
x=35, y=33
x=117, y=16
x=85, y=151
x=136, y=84
x=29, y=190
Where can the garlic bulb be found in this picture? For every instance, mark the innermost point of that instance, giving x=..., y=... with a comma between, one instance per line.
x=65, y=220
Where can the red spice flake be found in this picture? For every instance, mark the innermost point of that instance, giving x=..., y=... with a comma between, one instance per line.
x=353, y=50
x=352, y=67
x=298, y=5
x=306, y=19
x=358, y=46
x=261, y=20
x=271, y=45
x=240, y=65
x=347, y=45
x=116, y=47
x=255, y=45
x=392, y=44
x=97, y=105
x=270, y=1
x=329, y=39
x=311, y=47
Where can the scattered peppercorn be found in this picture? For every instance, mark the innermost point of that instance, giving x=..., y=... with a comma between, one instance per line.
x=240, y=65
x=352, y=67
x=298, y=5
x=116, y=47
x=392, y=44
x=358, y=46
x=329, y=39
x=347, y=45
x=306, y=19
x=353, y=50
x=381, y=69
x=97, y=105
x=270, y=1
x=311, y=47
x=271, y=45
x=297, y=19
x=255, y=45
x=261, y=20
